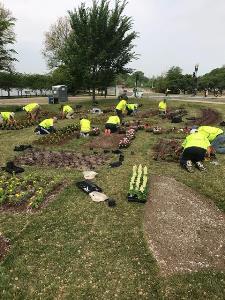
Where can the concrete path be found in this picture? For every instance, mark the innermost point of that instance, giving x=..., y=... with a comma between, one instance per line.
x=185, y=231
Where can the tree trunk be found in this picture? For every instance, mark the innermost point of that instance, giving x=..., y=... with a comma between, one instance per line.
x=105, y=92
x=8, y=91
x=93, y=94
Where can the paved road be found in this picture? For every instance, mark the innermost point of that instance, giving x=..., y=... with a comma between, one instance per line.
x=183, y=98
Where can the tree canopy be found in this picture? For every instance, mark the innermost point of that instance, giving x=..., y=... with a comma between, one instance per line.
x=7, y=38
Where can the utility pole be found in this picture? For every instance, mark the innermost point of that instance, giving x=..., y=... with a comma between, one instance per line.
x=195, y=77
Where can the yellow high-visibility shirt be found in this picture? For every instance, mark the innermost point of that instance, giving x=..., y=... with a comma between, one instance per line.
x=162, y=105
x=122, y=105
x=67, y=109
x=85, y=125
x=113, y=120
x=30, y=107
x=210, y=132
x=6, y=115
x=196, y=140
x=132, y=106
x=47, y=123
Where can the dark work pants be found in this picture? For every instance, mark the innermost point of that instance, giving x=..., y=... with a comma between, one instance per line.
x=194, y=154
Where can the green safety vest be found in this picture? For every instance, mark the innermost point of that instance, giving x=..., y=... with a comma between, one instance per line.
x=162, y=105
x=210, y=132
x=67, y=109
x=30, y=107
x=85, y=125
x=6, y=115
x=113, y=120
x=47, y=123
x=122, y=105
x=196, y=140
x=132, y=106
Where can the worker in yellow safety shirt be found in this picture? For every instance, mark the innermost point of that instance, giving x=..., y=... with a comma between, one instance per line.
x=46, y=126
x=67, y=112
x=132, y=108
x=162, y=107
x=33, y=110
x=121, y=106
x=195, y=147
x=85, y=127
x=112, y=125
x=216, y=136
x=7, y=117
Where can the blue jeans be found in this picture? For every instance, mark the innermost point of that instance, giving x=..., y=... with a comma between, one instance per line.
x=219, y=143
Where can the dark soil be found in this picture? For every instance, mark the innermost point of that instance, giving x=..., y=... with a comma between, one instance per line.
x=107, y=142
x=4, y=247
x=61, y=159
x=185, y=231
x=147, y=114
x=209, y=117
x=165, y=150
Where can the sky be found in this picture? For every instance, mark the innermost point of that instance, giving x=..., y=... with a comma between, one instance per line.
x=171, y=32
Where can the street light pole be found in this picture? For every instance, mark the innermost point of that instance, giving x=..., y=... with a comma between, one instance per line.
x=195, y=77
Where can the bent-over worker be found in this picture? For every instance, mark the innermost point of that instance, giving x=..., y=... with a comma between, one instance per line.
x=46, y=126
x=216, y=136
x=32, y=110
x=112, y=125
x=7, y=117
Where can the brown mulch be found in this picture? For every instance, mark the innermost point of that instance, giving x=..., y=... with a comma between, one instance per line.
x=61, y=159
x=106, y=142
x=185, y=230
x=209, y=117
x=4, y=247
x=165, y=150
x=147, y=113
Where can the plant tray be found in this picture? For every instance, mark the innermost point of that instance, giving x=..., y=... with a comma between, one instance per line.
x=134, y=198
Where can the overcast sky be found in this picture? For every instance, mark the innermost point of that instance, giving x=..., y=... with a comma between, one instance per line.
x=172, y=32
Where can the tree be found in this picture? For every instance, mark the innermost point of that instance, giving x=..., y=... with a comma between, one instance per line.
x=55, y=40
x=7, y=37
x=100, y=44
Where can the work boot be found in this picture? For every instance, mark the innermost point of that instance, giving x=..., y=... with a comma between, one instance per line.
x=188, y=166
x=200, y=166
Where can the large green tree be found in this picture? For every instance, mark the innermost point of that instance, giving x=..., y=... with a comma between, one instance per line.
x=7, y=38
x=100, y=44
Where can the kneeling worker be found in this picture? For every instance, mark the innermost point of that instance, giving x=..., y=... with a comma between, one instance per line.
x=162, y=107
x=112, y=125
x=46, y=126
x=196, y=146
x=216, y=136
x=121, y=106
x=131, y=108
x=32, y=110
x=67, y=112
x=85, y=127
x=7, y=117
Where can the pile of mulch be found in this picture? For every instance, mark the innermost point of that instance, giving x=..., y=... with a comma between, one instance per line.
x=4, y=247
x=209, y=117
x=106, y=142
x=165, y=150
x=61, y=159
x=147, y=113
x=185, y=231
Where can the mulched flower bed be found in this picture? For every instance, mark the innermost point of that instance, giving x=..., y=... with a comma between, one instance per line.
x=60, y=159
x=59, y=137
x=106, y=142
x=22, y=193
x=209, y=117
x=165, y=150
x=4, y=247
x=147, y=113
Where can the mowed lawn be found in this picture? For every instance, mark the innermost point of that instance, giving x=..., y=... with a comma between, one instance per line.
x=78, y=249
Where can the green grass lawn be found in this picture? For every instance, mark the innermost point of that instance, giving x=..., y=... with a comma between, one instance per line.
x=78, y=249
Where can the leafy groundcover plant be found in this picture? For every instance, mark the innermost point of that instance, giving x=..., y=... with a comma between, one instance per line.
x=25, y=192
x=138, y=184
